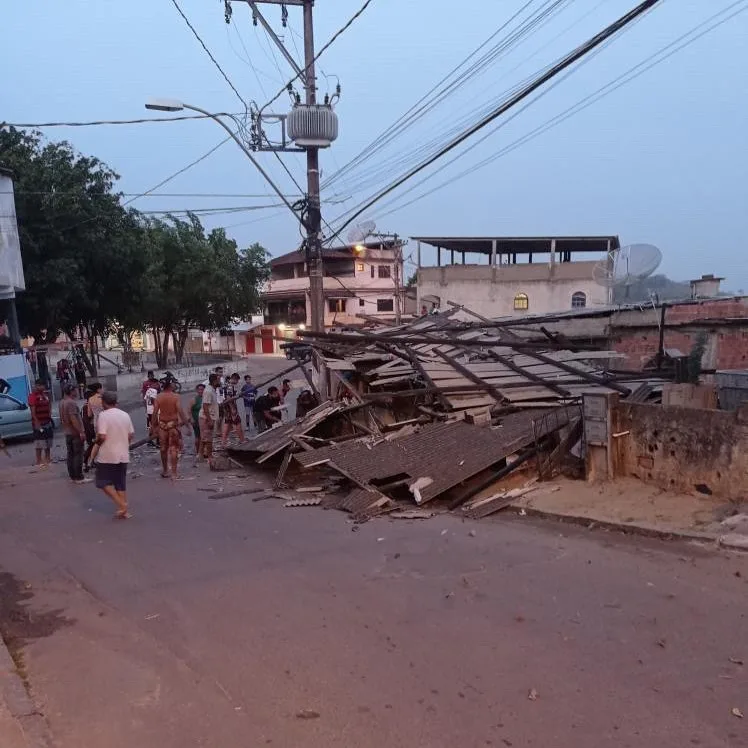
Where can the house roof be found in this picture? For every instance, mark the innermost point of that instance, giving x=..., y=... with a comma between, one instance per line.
x=291, y=258
x=333, y=253
x=521, y=244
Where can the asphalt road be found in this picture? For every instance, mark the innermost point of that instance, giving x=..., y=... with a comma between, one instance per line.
x=225, y=623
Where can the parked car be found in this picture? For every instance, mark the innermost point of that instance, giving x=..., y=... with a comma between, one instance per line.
x=15, y=418
x=297, y=351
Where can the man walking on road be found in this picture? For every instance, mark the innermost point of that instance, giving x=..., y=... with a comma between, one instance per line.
x=112, y=453
x=209, y=416
x=168, y=418
x=41, y=421
x=75, y=434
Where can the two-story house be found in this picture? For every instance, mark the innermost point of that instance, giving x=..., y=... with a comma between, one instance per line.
x=359, y=281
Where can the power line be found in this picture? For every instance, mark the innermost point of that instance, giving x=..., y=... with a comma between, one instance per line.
x=210, y=54
x=95, y=123
x=559, y=67
x=631, y=74
x=62, y=193
x=180, y=171
x=373, y=175
x=436, y=95
x=330, y=41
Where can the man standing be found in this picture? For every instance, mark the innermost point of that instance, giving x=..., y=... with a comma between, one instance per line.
x=249, y=393
x=265, y=416
x=168, y=418
x=231, y=416
x=79, y=369
x=75, y=434
x=209, y=416
x=112, y=453
x=149, y=382
x=41, y=421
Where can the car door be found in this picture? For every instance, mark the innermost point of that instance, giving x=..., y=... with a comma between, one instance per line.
x=15, y=417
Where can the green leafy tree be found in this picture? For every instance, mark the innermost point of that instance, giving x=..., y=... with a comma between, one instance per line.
x=197, y=280
x=80, y=261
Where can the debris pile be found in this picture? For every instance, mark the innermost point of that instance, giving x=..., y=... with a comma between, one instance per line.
x=437, y=410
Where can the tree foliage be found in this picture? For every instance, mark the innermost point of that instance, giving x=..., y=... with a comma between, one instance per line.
x=73, y=231
x=93, y=266
x=197, y=280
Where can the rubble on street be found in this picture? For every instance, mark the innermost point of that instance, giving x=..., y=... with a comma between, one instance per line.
x=441, y=412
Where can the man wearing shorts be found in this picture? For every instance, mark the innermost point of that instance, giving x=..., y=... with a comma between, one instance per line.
x=41, y=421
x=209, y=416
x=168, y=418
x=114, y=432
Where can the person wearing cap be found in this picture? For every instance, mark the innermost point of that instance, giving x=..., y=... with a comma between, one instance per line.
x=75, y=433
x=114, y=432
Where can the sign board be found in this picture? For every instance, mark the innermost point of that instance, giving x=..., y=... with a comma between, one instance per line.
x=11, y=267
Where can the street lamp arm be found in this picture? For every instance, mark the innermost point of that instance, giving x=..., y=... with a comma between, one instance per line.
x=248, y=154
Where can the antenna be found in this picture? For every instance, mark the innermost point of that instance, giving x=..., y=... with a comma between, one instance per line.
x=361, y=232
x=628, y=265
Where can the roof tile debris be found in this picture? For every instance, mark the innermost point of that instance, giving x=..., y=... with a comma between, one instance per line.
x=437, y=409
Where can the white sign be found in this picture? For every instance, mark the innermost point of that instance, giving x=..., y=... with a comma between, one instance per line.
x=11, y=267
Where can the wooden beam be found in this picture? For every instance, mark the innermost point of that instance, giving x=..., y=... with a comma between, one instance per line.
x=472, y=377
x=531, y=376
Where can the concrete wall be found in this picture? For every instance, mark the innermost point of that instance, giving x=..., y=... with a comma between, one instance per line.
x=679, y=448
x=490, y=291
x=362, y=284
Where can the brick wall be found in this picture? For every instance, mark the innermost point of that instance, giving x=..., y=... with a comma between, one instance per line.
x=635, y=332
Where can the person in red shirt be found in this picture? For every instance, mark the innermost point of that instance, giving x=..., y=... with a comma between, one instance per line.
x=41, y=421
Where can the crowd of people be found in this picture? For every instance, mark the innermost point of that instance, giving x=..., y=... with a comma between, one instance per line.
x=98, y=433
x=219, y=406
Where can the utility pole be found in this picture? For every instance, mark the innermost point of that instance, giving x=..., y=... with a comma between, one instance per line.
x=398, y=280
x=314, y=215
x=310, y=126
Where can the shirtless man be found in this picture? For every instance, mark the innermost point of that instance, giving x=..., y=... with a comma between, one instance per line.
x=168, y=418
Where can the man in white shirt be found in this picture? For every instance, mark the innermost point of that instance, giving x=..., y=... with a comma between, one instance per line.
x=114, y=432
x=209, y=416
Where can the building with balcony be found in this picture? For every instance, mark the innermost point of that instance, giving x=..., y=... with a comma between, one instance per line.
x=360, y=283
x=503, y=276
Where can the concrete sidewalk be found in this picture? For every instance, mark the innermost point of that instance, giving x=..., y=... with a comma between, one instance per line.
x=21, y=724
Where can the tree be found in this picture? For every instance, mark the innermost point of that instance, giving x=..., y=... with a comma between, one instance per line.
x=412, y=281
x=77, y=241
x=93, y=267
x=197, y=280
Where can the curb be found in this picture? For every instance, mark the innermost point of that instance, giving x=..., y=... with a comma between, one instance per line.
x=646, y=531
x=14, y=695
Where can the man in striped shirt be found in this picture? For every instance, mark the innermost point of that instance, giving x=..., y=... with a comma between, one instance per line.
x=41, y=421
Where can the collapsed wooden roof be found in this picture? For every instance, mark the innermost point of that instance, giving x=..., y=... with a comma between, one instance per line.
x=473, y=365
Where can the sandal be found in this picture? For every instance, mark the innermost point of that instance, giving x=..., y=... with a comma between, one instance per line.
x=122, y=514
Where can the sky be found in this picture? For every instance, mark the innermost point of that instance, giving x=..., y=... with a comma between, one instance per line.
x=660, y=160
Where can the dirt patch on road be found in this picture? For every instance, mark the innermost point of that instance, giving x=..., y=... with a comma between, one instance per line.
x=629, y=501
x=19, y=623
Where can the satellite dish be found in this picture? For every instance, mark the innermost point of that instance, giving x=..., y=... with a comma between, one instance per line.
x=361, y=231
x=626, y=266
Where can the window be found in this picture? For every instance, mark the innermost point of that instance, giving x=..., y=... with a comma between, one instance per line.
x=361, y=302
x=336, y=305
x=372, y=271
x=360, y=267
x=8, y=403
x=385, y=305
x=385, y=271
x=521, y=302
x=578, y=300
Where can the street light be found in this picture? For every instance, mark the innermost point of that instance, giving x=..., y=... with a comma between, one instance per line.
x=174, y=105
